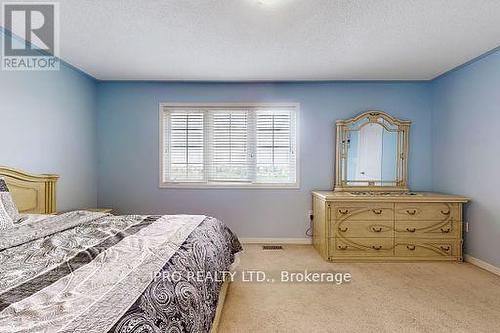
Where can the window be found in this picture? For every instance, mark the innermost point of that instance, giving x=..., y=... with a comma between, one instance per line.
x=228, y=145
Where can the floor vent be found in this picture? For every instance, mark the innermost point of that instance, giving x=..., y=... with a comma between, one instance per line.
x=272, y=247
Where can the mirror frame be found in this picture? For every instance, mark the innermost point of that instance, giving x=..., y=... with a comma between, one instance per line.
x=403, y=129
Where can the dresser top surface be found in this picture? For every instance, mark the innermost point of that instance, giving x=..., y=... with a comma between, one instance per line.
x=392, y=197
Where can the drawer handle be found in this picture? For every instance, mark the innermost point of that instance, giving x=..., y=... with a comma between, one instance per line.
x=343, y=229
x=445, y=212
x=343, y=212
x=411, y=229
x=342, y=247
x=377, y=247
x=410, y=247
x=377, y=211
x=445, y=248
x=379, y=229
x=445, y=231
x=411, y=212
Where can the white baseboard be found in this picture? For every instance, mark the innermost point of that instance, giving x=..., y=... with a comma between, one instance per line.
x=483, y=264
x=276, y=241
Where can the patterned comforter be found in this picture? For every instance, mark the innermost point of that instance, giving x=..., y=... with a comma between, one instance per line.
x=94, y=272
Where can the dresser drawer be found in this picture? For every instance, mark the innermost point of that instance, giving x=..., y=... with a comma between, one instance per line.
x=426, y=247
x=349, y=228
x=361, y=211
x=427, y=229
x=428, y=211
x=367, y=247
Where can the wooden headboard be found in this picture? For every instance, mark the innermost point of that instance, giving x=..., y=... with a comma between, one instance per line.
x=35, y=194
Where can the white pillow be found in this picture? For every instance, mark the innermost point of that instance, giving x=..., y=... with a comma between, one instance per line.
x=5, y=220
x=8, y=209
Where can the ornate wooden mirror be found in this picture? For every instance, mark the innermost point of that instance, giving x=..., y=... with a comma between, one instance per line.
x=372, y=153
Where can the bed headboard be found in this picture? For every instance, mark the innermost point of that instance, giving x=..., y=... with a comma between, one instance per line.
x=34, y=194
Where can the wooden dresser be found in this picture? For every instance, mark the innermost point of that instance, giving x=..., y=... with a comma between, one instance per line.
x=413, y=226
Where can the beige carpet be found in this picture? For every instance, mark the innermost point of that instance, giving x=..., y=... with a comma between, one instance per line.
x=387, y=297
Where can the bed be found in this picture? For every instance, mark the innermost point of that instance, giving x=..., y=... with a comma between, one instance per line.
x=90, y=272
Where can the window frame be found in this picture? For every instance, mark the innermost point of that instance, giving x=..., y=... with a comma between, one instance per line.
x=228, y=185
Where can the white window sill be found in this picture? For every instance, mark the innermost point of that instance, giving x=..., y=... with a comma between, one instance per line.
x=201, y=186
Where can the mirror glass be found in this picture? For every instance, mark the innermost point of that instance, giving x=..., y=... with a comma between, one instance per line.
x=371, y=156
x=372, y=152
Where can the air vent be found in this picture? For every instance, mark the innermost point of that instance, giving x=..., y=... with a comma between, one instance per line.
x=272, y=247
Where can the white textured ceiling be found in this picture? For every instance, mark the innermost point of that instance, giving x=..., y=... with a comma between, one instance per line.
x=248, y=40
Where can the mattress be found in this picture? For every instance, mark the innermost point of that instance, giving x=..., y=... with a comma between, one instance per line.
x=93, y=272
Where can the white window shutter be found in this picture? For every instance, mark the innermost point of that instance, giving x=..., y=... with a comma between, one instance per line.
x=184, y=134
x=229, y=146
x=247, y=145
x=276, y=158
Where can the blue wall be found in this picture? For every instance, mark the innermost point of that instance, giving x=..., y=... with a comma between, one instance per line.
x=466, y=143
x=128, y=147
x=48, y=125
